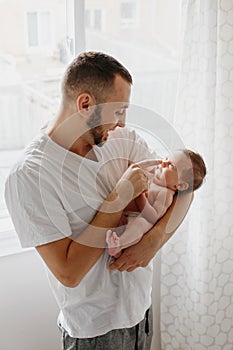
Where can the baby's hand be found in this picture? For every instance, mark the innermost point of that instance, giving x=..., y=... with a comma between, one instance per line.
x=133, y=182
x=149, y=167
x=144, y=164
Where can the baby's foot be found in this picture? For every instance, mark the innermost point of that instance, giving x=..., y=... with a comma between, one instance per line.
x=113, y=242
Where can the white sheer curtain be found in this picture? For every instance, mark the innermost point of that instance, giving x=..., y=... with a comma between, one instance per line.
x=197, y=264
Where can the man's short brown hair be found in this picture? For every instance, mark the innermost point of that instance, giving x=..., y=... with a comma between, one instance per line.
x=93, y=73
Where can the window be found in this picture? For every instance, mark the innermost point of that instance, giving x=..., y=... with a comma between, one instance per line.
x=128, y=13
x=29, y=85
x=93, y=19
x=39, y=29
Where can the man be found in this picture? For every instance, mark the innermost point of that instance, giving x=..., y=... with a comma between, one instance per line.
x=69, y=189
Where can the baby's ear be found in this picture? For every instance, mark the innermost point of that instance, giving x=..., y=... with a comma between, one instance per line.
x=183, y=186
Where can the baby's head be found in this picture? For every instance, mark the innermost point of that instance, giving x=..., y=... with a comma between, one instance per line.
x=183, y=171
x=195, y=175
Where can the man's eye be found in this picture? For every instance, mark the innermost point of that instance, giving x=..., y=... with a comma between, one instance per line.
x=172, y=165
x=120, y=112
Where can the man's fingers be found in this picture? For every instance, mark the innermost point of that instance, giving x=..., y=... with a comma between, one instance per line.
x=131, y=269
x=124, y=264
x=149, y=162
x=118, y=264
x=115, y=266
x=120, y=267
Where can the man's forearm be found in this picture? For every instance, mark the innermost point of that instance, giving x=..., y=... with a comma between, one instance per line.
x=107, y=217
x=85, y=251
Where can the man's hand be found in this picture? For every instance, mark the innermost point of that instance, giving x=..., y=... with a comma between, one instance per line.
x=138, y=255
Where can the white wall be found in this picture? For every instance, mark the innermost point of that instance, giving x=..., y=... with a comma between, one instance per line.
x=28, y=310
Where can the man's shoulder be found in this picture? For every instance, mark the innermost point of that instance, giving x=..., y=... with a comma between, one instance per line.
x=29, y=163
x=127, y=136
x=34, y=156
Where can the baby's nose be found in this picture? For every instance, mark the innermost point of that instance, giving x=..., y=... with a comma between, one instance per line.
x=165, y=163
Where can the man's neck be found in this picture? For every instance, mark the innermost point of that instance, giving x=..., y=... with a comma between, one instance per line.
x=70, y=132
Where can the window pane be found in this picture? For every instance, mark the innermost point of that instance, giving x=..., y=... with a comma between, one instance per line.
x=88, y=18
x=128, y=10
x=32, y=29
x=45, y=28
x=97, y=20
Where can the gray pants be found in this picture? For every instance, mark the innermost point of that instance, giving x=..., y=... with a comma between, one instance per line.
x=135, y=338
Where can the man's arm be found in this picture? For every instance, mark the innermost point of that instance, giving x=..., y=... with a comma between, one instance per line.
x=140, y=254
x=70, y=260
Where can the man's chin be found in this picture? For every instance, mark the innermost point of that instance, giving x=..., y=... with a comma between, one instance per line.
x=101, y=142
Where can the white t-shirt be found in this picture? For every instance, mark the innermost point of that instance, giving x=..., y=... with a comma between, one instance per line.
x=52, y=193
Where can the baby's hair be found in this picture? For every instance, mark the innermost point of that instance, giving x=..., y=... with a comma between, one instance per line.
x=194, y=176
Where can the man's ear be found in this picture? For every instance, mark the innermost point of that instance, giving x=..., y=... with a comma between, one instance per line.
x=182, y=186
x=84, y=102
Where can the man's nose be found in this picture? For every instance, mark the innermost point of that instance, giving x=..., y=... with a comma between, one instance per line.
x=119, y=123
x=114, y=126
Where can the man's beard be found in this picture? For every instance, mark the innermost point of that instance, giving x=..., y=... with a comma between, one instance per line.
x=97, y=137
x=94, y=123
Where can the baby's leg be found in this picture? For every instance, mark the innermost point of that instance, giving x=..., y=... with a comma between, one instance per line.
x=134, y=231
x=113, y=242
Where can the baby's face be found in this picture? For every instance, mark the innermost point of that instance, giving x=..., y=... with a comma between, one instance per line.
x=168, y=172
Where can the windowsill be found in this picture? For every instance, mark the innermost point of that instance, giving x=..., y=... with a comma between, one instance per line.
x=10, y=252
x=9, y=245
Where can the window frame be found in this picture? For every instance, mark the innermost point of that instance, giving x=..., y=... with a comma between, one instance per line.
x=75, y=29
